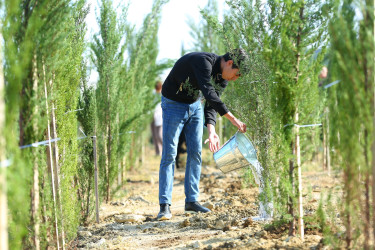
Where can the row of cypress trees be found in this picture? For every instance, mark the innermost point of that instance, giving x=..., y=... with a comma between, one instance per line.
x=352, y=116
x=49, y=186
x=287, y=43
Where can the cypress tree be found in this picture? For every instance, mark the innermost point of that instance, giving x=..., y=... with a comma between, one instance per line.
x=87, y=122
x=21, y=23
x=281, y=38
x=142, y=72
x=108, y=57
x=39, y=37
x=123, y=95
x=298, y=30
x=352, y=115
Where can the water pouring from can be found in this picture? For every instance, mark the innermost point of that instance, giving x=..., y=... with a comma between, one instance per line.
x=238, y=152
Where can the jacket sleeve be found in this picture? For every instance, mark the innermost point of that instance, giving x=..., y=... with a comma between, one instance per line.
x=202, y=70
x=209, y=114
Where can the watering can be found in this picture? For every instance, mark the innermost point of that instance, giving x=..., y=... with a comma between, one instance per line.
x=238, y=152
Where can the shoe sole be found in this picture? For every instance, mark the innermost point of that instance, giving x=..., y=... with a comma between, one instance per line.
x=164, y=218
x=190, y=212
x=194, y=212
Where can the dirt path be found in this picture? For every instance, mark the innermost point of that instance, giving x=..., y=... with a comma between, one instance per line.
x=129, y=221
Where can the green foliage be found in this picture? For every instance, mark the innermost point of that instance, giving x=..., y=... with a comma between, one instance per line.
x=279, y=225
x=279, y=80
x=45, y=46
x=205, y=37
x=108, y=58
x=19, y=29
x=141, y=74
x=67, y=80
x=44, y=41
x=352, y=109
x=124, y=92
x=87, y=120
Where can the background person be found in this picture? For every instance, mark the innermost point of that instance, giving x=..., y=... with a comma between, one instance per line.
x=157, y=121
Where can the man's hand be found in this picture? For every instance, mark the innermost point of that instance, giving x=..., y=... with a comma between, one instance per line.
x=240, y=125
x=213, y=138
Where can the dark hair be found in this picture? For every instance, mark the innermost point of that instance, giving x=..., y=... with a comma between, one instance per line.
x=238, y=56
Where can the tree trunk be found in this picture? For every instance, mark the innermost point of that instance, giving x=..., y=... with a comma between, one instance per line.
x=366, y=204
x=373, y=172
x=109, y=137
x=324, y=147
x=348, y=186
x=3, y=177
x=123, y=168
x=88, y=199
x=298, y=150
x=21, y=118
x=367, y=208
x=42, y=198
x=119, y=174
x=328, y=151
x=348, y=238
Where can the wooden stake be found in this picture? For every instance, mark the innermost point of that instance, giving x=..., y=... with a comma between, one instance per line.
x=57, y=172
x=107, y=154
x=373, y=156
x=3, y=177
x=3, y=204
x=119, y=168
x=299, y=176
x=51, y=163
x=324, y=146
x=292, y=225
x=96, y=180
x=327, y=148
x=373, y=133
x=143, y=150
x=298, y=148
x=35, y=189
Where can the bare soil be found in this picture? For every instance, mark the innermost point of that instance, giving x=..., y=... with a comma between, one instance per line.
x=229, y=225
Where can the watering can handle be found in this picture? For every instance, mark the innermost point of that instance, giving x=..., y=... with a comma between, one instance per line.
x=228, y=140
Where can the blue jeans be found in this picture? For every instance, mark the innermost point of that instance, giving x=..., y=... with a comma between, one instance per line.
x=178, y=116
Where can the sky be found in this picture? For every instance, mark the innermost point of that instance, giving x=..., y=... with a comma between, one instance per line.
x=173, y=30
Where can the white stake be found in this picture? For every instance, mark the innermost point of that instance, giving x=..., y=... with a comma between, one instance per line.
x=51, y=163
x=96, y=180
x=299, y=173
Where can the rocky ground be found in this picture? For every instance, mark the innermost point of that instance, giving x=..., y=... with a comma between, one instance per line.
x=128, y=222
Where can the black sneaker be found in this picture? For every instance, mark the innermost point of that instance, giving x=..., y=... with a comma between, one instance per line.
x=165, y=212
x=195, y=207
